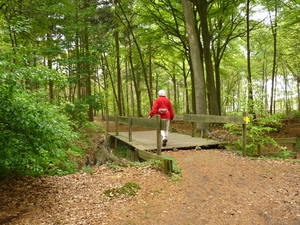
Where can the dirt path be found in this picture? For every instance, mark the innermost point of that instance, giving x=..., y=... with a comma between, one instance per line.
x=225, y=189
x=217, y=187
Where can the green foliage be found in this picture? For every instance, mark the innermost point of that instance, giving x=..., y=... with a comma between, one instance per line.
x=155, y=163
x=113, y=166
x=175, y=168
x=176, y=173
x=77, y=112
x=285, y=154
x=94, y=101
x=122, y=151
x=34, y=77
x=127, y=189
x=36, y=139
x=296, y=114
x=258, y=134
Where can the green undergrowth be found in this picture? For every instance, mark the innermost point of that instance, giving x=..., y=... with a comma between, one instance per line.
x=259, y=136
x=129, y=189
x=176, y=173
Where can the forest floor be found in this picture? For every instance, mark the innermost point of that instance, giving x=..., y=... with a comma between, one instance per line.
x=216, y=187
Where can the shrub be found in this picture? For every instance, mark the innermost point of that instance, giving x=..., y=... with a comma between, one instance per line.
x=77, y=112
x=258, y=134
x=36, y=139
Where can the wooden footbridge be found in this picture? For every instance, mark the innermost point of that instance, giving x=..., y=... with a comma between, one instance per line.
x=147, y=144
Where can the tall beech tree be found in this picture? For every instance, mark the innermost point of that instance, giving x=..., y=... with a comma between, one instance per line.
x=213, y=103
x=197, y=65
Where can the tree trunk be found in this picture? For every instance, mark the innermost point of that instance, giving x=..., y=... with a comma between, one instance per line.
x=102, y=154
x=108, y=72
x=212, y=94
x=187, y=108
x=49, y=63
x=249, y=77
x=136, y=82
x=119, y=79
x=274, y=32
x=150, y=73
x=198, y=74
x=88, y=77
x=130, y=30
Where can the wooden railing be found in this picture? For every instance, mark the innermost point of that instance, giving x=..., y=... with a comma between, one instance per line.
x=154, y=123
x=200, y=118
x=159, y=124
x=292, y=140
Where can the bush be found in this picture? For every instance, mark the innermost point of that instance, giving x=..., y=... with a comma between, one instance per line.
x=36, y=139
x=77, y=112
x=258, y=134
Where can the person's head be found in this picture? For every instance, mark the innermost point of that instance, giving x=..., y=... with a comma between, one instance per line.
x=161, y=93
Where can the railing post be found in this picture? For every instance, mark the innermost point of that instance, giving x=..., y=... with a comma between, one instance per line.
x=130, y=128
x=107, y=122
x=244, y=135
x=158, y=135
x=193, y=129
x=117, y=125
x=168, y=166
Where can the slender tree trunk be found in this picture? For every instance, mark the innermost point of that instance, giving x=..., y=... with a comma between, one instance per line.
x=187, y=108
x=129, y=28
x=87, y=66
x=49, y=63
x=119, y=79
x=88, y=78
x=286, y=95
x=274, y=32
x=249, y=76
x=218, y=84
x=77, y=50
x=150, y=73
x=297, y=78
x=105, y=85
x=136, y=81
x=263, y=89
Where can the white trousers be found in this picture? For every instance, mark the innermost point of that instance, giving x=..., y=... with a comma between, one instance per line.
x=165, y=133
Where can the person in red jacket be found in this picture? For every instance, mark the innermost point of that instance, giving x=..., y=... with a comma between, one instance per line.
x=163, y=107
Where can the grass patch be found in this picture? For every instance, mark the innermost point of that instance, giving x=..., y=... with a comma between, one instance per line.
x=129, y=189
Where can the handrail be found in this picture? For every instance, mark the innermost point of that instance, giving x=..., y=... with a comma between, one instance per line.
x=201, y=118
x=158, y=124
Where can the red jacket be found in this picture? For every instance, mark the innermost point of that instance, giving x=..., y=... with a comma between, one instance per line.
x=163, y=107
